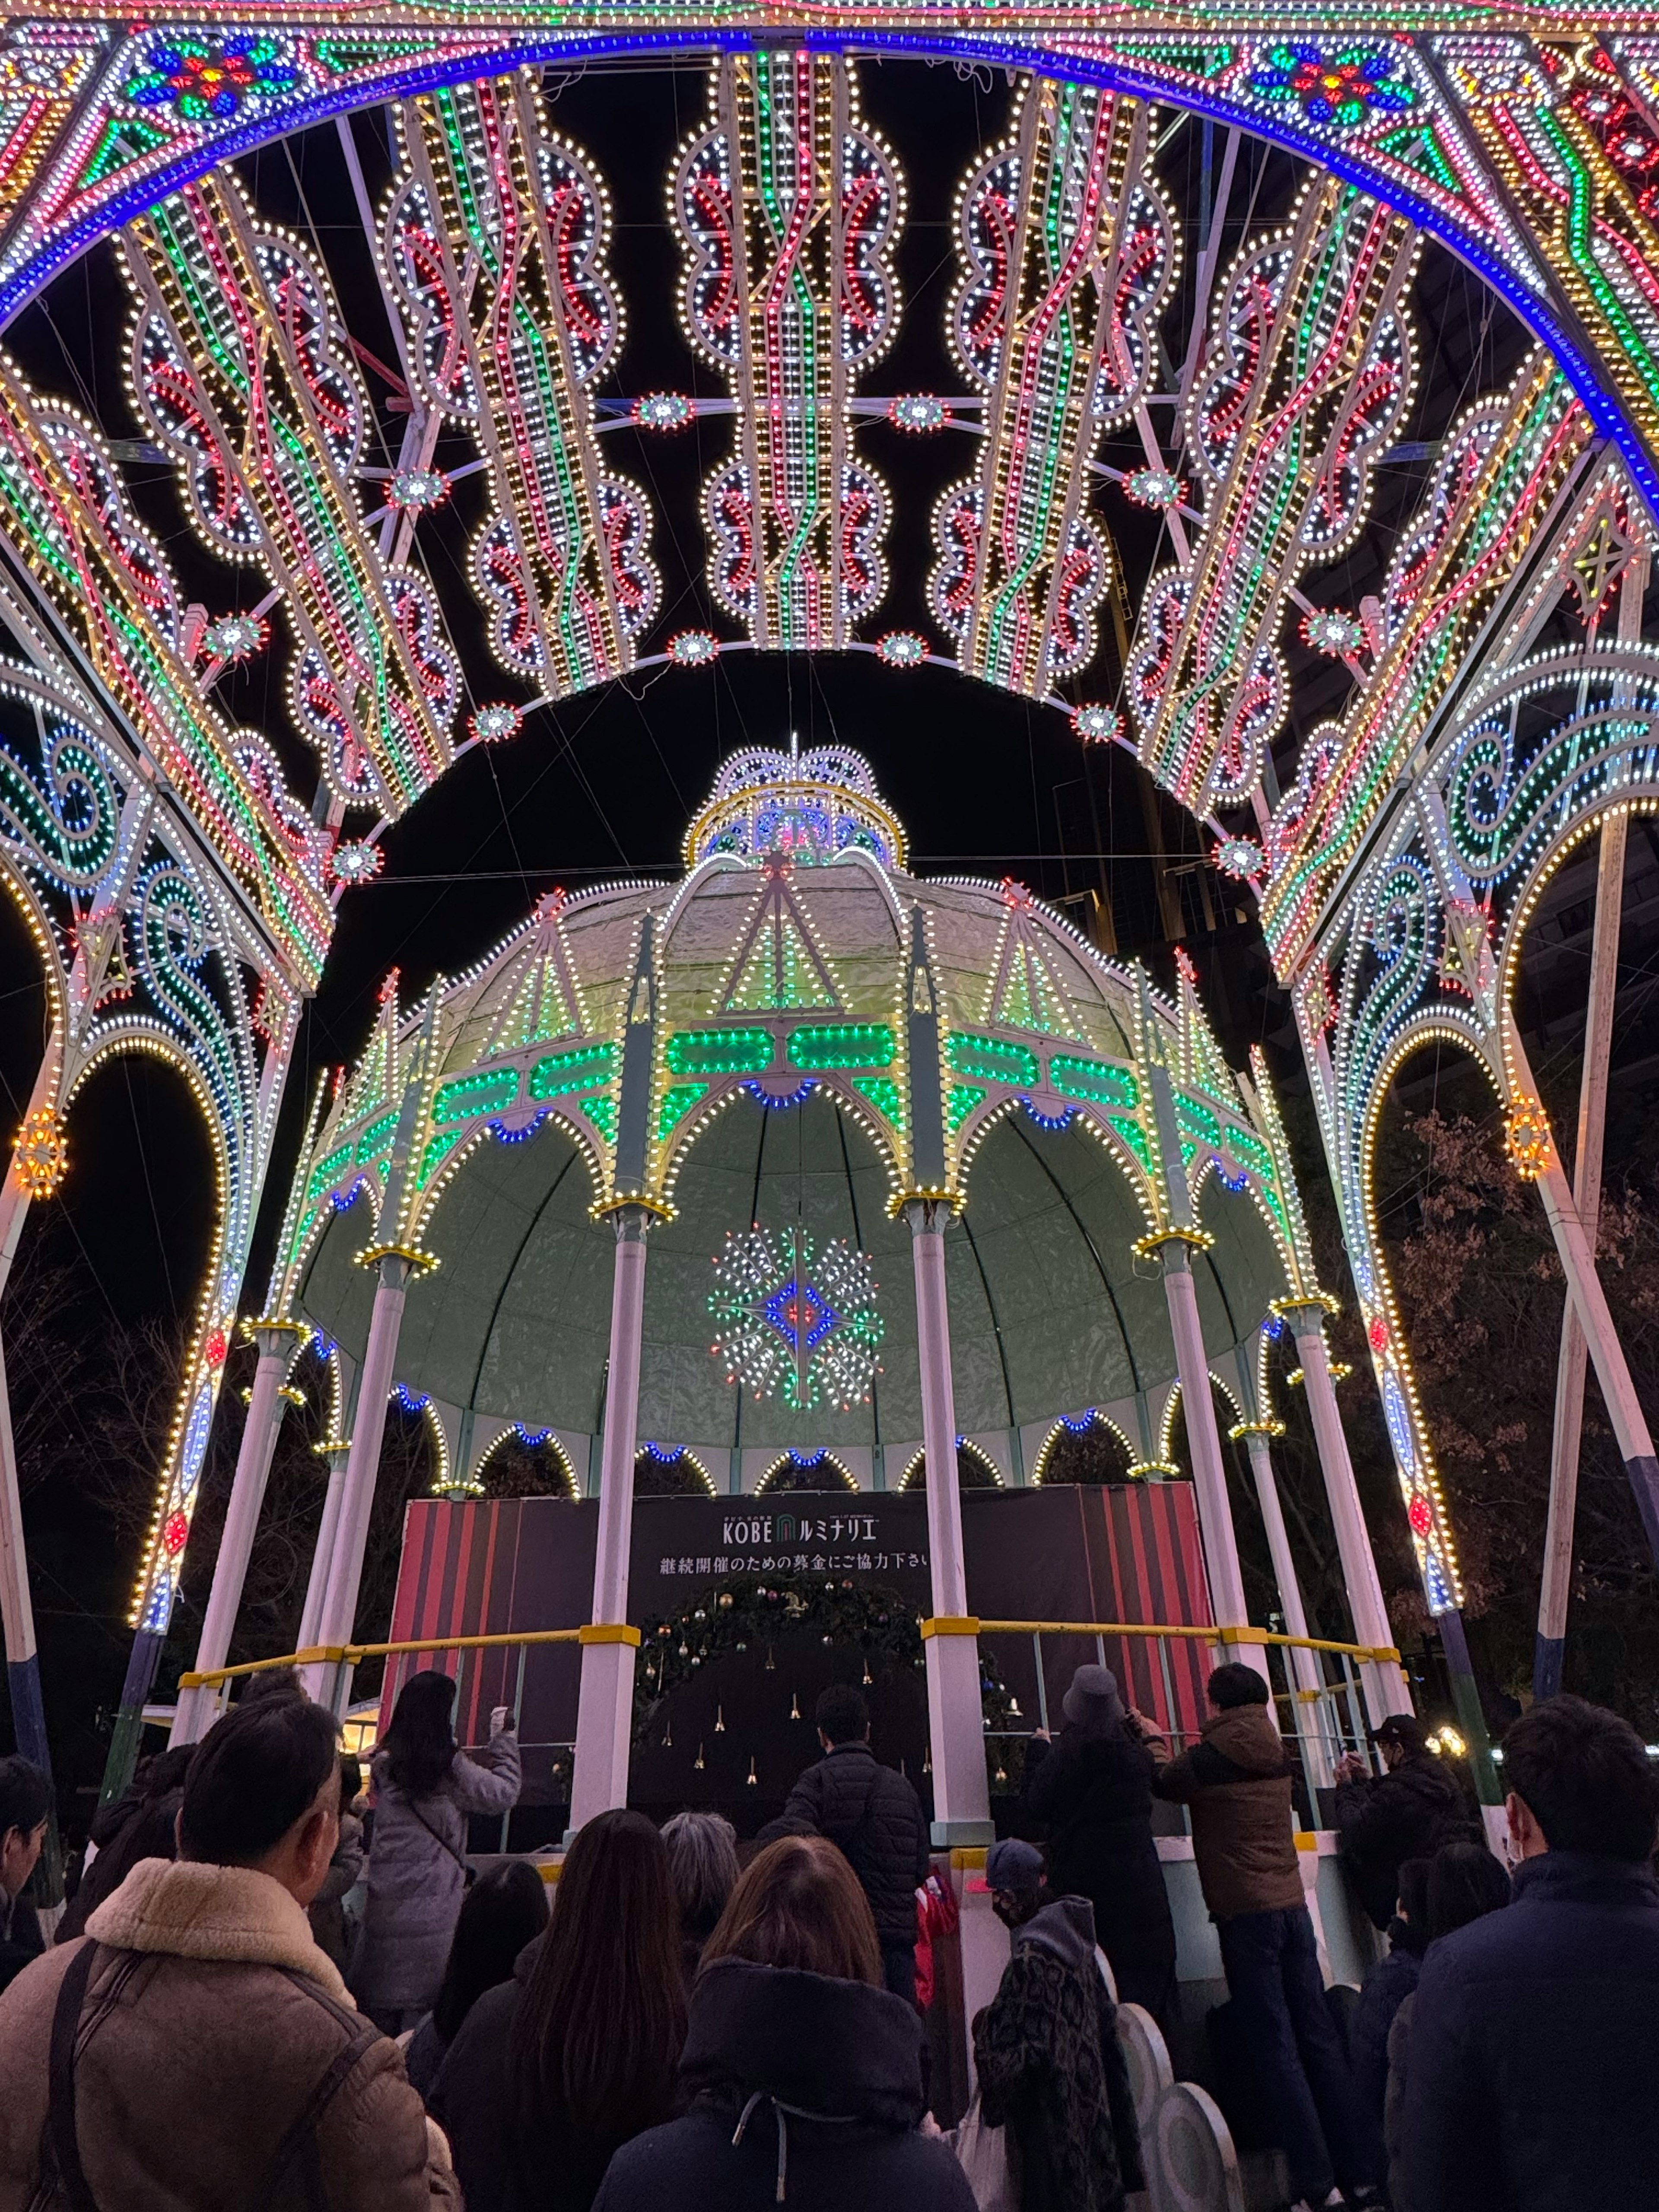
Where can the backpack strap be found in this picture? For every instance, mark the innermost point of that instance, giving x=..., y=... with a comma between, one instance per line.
x=299, y=2146
x=62, y=2135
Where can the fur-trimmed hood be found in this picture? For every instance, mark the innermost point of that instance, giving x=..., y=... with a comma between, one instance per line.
x=186, y=1909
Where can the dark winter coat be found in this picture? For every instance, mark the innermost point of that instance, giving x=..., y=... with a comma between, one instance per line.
x=472, y=2101
x=1052, y=2072
x=1093, y=1794
x=872, y=1815
x=1405, y=1814
x=1236, y=1779
x=21, y=1940
x=1535, y=2049
x=1388, y=1986
x=327, y=1909
x=822, y=2080
x=417, y=1873
x=135, y=1827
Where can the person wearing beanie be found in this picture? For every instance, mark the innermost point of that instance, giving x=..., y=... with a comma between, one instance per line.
x=1091, y=1792
x=1051, y=2070
x=1236, y=1782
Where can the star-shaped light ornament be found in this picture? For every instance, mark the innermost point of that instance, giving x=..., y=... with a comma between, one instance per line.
x=1097, y=724
x=1159, y=488
x=796, y=1318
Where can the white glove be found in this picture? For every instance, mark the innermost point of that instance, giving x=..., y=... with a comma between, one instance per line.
x=501, y=1717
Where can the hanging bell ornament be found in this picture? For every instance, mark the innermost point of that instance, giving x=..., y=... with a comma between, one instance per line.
x=771, y=1662
x=754, y=1779
x=868, y=1676
x=794, y=1706
x=719, y=1720
x=698, y=1763
x=668, y=1737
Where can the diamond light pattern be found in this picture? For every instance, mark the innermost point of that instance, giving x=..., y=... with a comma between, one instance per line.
x=797, y=1317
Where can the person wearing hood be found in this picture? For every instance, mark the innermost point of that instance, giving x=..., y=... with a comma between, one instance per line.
x=1236, y=1782
x=803, y=2074
x=1406, y=1813
x=1051, y=2070
x=1093, y=1791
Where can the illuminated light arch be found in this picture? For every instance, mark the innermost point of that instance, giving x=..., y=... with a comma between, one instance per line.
x=1086, y=1423
x=821, y=1462
x=1465, y=88
x=529, y=1440
x=986, y=1474
x=654, y=1456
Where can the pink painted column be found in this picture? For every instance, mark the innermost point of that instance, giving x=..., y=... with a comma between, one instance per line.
x=339, y=1612
x=604, y=1706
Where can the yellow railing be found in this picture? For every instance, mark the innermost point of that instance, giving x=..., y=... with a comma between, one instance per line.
x=1206, y=1635
x=337, y=1655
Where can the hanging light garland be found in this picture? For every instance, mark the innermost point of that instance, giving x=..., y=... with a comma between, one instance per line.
x=796, y=1317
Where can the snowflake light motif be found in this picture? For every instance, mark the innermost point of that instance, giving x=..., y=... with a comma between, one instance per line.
x=416, y=489
x=1328, y=629
x=234, y=637
x=1159, y=488
x=1240, y=857
x=662, y=410
x=1344, y=85
x=205, y=80
x=356, y=864
x=918, y=412
x=41, y=1154
x=1097, y=724
x=493, y=724
x=1527, y=1139
x=902, y=648
x=693, y=648
x=796, y=1317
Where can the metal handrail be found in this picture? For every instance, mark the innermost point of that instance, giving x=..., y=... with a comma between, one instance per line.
x=1211, y=1634
x=334, y=1655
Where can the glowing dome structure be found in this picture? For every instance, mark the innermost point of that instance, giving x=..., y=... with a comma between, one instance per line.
x=482, y=1128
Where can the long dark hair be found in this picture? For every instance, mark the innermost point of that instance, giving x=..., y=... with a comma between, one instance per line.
x=503, y=1911
x=799, y=1903
x=420, y=1744
x=596, y=2038
x=1465, y=1883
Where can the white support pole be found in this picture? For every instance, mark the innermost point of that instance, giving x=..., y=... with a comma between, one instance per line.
x=1215, y=1513
x=338, y=1611
x=1556, y=1588
x=16, y=1605
x=1308, y=1682
x=196, y=1708
x=1383, y=1680
x=1577, y=1258
x=956, y=1723
x=604, y=1705
x=338, y=1454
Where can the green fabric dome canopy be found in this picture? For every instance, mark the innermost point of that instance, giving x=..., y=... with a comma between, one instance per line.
x=480, y=1131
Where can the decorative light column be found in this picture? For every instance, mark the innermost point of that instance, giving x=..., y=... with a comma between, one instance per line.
x=1174, y=1247
x=1381, y=1677
x=275, y=1340
x=604, y=1703
x=956, y=1720
x=36, y=1167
